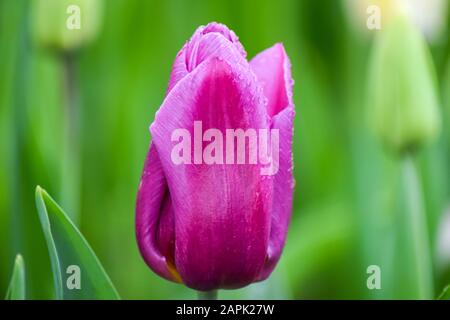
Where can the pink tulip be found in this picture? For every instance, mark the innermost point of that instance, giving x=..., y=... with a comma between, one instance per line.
x=218, y=225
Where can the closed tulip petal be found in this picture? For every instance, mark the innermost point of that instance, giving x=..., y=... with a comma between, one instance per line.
x=153, y=202
x=222, y=212
x=214, y=40
x=273, y=70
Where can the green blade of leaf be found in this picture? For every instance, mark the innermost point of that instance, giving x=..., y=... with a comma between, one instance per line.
x=16, y=289
x=77, y=272
x=445, y=295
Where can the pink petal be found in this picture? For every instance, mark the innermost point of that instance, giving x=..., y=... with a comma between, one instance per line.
x=153, y=214
x=222, y=212
x=273, y=70
x=213, y=40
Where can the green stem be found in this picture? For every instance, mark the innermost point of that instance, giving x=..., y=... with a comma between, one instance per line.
x=71, y=158
x=415, y=224
x=207, y=295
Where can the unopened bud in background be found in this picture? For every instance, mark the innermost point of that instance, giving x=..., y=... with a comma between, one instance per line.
x=403, y=103
x=65, y=25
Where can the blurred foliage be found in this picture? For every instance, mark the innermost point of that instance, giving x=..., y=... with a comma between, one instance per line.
x=344, y=205
x=71, y=254
x=16, y=289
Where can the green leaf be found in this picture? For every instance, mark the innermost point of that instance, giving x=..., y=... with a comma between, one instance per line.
x=445, y=295
x=77, y=272
x=16, y=289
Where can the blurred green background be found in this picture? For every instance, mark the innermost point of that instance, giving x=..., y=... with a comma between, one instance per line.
x=346, y=182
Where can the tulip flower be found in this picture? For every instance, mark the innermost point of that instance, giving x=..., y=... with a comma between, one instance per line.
x=221, y=224
x=403, y=108
x=63, y=27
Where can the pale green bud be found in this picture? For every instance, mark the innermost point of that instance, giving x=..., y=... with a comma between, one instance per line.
x=65, y=25
x=404, y=108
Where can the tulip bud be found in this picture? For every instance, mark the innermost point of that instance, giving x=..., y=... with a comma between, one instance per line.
x=402, y=90
x=65, y=25
x=203, y=219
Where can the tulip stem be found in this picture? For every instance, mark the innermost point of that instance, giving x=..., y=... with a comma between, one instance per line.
x=70, y=150
x=207, y=295
x=413, y=217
